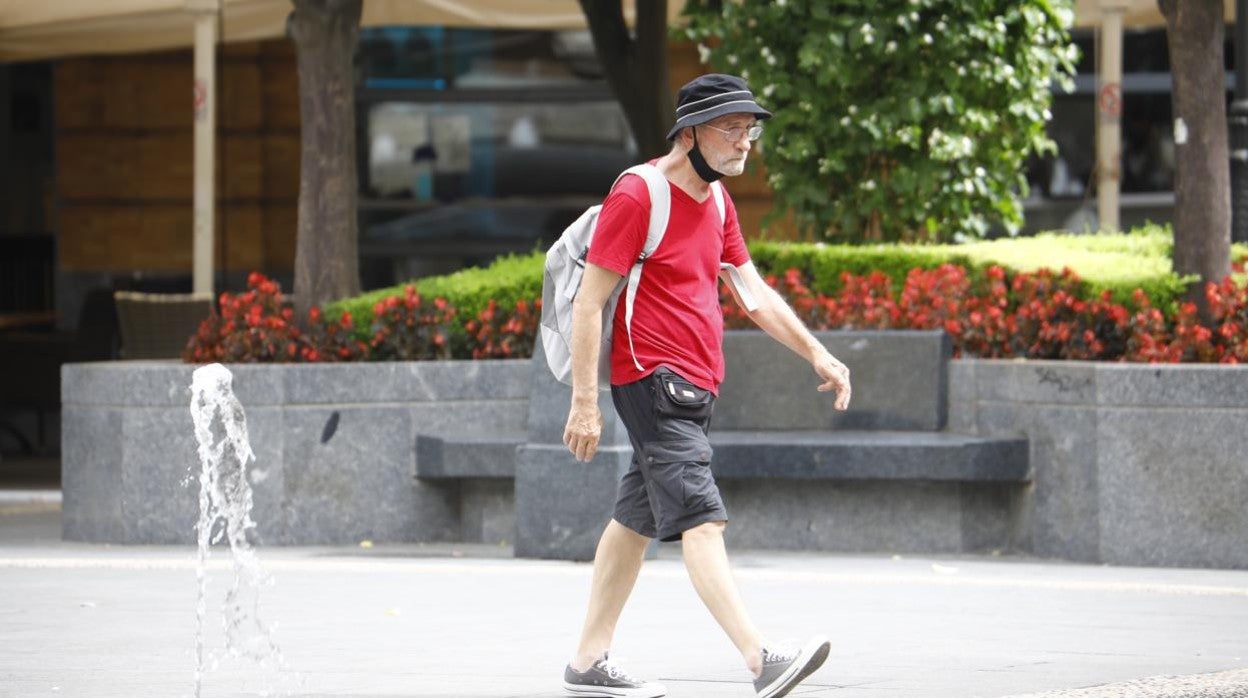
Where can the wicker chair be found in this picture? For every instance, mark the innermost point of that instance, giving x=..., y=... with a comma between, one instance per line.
x=158, y=325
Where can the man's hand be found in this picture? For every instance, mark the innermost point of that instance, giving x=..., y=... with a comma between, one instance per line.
x=583, y=430
x=835, y=376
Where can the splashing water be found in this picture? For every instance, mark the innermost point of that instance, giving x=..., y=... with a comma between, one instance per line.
x=225, y=514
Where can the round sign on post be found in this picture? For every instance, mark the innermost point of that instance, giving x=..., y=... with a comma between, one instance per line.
x=201, y=99
x=1110, y=100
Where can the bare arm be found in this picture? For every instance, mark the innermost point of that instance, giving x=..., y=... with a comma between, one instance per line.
x=776, y=318
x=584, y=426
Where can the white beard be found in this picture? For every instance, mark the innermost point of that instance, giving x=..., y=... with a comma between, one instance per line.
x=730, y=167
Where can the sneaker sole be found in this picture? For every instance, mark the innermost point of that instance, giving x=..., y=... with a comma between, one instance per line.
x=608, y=692
x=815, y=652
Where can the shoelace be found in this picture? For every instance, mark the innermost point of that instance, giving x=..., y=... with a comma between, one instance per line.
x=615, y=671
x=782, y=653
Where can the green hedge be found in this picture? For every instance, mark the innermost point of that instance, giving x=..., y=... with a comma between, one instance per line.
x=1117, y=263
x=507, y=280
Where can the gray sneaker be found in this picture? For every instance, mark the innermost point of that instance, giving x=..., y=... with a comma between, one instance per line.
x=784, y=669
x=606, y=679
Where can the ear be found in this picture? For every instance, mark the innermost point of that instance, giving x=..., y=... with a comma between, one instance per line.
x=685, y=138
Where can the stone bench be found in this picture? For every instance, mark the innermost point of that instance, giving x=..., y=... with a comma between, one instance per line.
x=777, y=440
x=488, y=456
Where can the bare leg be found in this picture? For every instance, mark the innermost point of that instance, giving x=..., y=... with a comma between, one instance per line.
x=617, y=561
x=707, y=562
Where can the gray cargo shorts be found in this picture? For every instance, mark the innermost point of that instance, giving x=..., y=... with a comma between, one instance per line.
x=669, y=488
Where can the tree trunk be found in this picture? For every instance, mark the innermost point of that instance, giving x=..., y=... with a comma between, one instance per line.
x=636, y=68
x=1202, y=187
x=325, y=34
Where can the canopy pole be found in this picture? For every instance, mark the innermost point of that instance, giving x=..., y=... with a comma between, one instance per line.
x=205, y=13
x=1109, y=115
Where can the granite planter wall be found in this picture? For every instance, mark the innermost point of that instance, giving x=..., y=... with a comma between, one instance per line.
x=1132, y=464
x=333, y=443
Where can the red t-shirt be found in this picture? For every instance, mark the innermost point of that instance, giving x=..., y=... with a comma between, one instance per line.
x=677, y=320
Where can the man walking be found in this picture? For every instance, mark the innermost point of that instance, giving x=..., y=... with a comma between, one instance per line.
x=666, y=367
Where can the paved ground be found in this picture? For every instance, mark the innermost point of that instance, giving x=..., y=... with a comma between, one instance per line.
x=464, y=621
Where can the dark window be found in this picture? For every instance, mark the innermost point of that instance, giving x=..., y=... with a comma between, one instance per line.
x=476, y=143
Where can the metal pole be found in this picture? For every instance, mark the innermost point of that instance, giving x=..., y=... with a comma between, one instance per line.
x=1237, y=120
x=205, y=12
x=1109, y=115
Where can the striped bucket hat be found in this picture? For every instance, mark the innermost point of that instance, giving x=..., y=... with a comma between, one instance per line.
x=707, y=97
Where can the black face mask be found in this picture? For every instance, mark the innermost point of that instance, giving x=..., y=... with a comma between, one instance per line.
x=700, y=165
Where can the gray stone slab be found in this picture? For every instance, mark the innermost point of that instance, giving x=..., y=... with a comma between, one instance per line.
x=868, y=455
x=1030, y=381
x=963, y=413
x=161, y=383
x=267, y=475
x=159, y=476
x=899, y=382
x=1200, y=386
x=487, y=512
x=492, y=456
x=1059, y=508
x=407, y=381
x=469, y=417
x=843, y=516
x=1172, y=487
x=91, y=471
x=562, y=505
x=357, y=484
x=992, y=519
x=549, y=401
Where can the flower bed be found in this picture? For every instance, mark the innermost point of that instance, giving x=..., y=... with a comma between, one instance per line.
x=1127, y=312
x=258, y=326
x=1041, y=315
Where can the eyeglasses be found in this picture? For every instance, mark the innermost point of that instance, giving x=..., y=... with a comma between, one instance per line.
x=754, y=131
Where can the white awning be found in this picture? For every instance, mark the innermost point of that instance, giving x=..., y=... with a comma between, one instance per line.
x=41, y=29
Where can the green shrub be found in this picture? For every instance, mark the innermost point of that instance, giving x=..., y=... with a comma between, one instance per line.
x=506, y=281
x=1115, y=263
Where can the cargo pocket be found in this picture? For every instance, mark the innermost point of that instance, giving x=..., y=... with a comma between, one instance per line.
x=681, y=472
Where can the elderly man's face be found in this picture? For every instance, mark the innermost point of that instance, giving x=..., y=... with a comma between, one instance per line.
x=723, y=153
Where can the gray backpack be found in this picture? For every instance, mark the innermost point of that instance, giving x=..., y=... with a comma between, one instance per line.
x=565, y=265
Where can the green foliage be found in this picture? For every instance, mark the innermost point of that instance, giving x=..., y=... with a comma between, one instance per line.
x=1118, y=263
x=508, y=280
x=895, y=119
x=1115, y=263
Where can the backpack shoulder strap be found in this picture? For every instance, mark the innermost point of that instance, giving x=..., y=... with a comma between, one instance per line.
x=660, y=210
x=660, y=204
x=717, y=193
